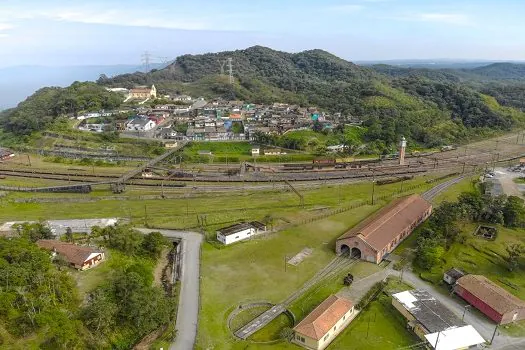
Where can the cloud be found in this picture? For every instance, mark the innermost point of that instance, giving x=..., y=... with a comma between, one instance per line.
x=351, y=8
x=94, y=14
x=5, y=26
x=437, y=17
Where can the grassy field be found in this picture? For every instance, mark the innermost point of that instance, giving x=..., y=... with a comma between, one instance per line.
x=254, y=271
x=379, y=326
x=220, y=208
x=486, y=258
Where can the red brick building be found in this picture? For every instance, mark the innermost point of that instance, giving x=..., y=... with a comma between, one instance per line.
x=489, y=298
x=380, y=233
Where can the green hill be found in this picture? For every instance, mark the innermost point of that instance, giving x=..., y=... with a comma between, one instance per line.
x=429, y=107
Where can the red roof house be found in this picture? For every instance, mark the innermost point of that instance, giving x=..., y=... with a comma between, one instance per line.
x=81, y=258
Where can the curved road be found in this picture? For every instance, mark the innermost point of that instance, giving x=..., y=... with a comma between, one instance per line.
x=188, y=311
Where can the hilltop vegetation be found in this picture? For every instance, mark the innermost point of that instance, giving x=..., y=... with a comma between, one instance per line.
x=429, y=107
x=39, y=110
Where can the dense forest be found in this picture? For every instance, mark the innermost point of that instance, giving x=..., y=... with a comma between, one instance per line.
x=430, y=107
x=40, y=304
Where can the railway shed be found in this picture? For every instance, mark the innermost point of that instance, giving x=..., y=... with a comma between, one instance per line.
x=380, y=233
x=491, y=299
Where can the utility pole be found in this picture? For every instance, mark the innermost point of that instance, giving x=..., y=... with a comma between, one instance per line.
x=437, y=339
x=464, y=311
x=494, y=334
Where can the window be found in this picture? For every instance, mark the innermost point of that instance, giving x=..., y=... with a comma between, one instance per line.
x=236, y=237
x=298, y=337
x=344, y=317
x=326, y=336
x=335, y=327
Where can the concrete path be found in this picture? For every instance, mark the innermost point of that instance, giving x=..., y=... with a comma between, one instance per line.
x=188, y=312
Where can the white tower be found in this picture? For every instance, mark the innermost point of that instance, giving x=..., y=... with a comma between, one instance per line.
x=402, y=148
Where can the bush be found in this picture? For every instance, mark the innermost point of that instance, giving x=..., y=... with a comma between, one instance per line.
x=371, y=294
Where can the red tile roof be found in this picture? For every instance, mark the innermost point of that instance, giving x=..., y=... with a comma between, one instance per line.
x=379, y=229
x=324, y=317
x=71, y=252
x=490, y=293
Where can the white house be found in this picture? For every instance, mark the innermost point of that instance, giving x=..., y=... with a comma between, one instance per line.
x=240, y=231
x=256, y=150
x=140, y=124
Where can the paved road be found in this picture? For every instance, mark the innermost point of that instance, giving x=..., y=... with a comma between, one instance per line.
x=188, y=312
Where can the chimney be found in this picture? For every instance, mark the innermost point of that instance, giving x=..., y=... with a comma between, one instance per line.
x=402, y=148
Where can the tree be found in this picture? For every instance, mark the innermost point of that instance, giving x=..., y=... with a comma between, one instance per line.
x=124, y=238
x=514, y=251
x=287, y=334
x=69, y=234
x=34, y=231
x=153, y=244
x=237, y=128
x=317, y=126
x=514, y=212
x=100, y=313
x=429, y=252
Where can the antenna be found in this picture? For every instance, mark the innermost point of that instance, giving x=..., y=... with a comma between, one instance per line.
x=230, y=69
x=145, y=58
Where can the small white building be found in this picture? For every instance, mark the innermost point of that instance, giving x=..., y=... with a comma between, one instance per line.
x=140, y=124
x=240, y=231
x=451, y=276
x=256, y=150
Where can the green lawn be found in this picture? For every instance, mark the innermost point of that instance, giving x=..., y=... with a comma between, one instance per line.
x=379, y=326
x=220, y=208
x=254, y=271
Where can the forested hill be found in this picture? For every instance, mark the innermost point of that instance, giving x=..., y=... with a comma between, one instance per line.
x=429, y=107
x=500, y=71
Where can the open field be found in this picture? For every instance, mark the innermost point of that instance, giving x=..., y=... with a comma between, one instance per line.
x=220, y=208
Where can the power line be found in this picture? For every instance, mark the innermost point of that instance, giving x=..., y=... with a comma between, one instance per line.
x=146, y=59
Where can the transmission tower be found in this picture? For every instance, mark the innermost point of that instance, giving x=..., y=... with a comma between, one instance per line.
x=230, y=69
x=145, y=58
x=222, y=63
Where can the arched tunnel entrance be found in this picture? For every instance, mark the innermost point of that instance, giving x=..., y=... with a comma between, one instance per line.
x=355, y=253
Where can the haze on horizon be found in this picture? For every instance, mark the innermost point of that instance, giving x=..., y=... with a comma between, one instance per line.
x=59, y=32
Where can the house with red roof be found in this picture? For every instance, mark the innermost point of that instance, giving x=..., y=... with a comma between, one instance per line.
x=79, y=257
x=317, y=330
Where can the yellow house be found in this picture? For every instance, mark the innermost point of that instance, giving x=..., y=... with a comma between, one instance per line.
x=143, y=92
x=317, y=330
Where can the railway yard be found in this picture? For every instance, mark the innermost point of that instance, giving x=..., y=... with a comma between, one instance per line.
x=165, y=174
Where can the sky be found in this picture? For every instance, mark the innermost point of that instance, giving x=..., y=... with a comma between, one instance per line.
x=95, y=32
